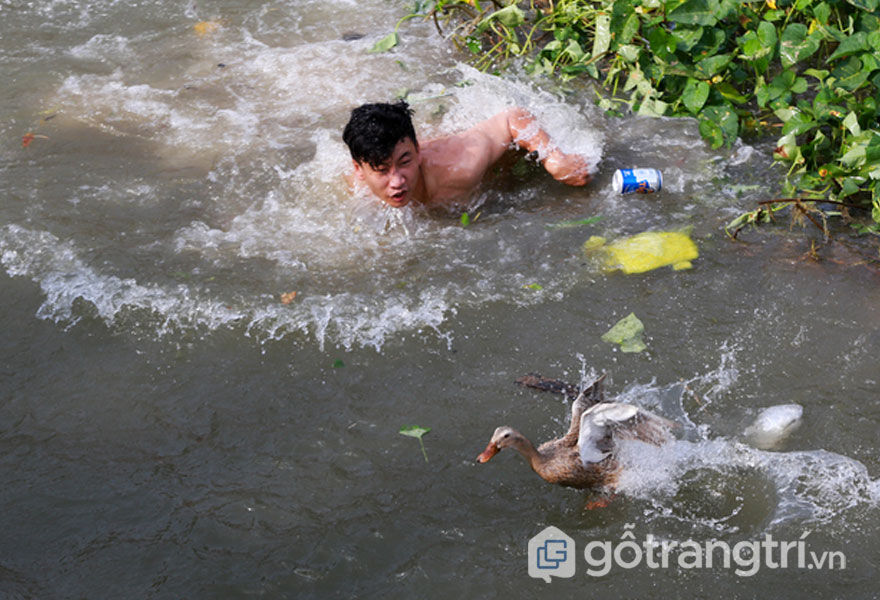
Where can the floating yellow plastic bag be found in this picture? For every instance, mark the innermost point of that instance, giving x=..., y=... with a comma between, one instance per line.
x=645, y=251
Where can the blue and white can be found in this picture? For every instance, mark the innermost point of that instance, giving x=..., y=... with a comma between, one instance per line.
x=643, y=181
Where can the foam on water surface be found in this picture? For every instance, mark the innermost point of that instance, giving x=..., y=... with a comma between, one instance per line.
x=761, y=490
x=724, y=485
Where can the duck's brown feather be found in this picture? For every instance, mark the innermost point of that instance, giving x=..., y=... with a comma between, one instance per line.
x=560, y=463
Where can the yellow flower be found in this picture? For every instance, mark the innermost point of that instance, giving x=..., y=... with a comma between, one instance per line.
x=771, y=4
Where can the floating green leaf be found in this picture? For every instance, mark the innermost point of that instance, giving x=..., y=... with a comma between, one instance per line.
x=652, y=106
x=510, y=16
x=417, y=432
x=338, y=364
x=627, y=333
x=385, y=44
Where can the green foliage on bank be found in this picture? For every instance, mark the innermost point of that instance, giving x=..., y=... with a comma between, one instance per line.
x=805, y=71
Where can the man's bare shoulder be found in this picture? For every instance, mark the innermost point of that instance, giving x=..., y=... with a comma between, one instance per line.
x=453, y=166
x=490, y=137
x=456, y=164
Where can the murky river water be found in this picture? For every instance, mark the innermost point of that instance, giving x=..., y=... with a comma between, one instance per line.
x=169, y=428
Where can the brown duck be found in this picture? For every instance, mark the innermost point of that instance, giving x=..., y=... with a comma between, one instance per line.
x=585, y=457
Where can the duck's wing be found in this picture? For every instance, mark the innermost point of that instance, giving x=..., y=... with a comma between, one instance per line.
x=545, y=384
x=589, y=396
x=595, y=392
x=602, y=424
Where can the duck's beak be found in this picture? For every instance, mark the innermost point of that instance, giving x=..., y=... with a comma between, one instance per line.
x=491, y=450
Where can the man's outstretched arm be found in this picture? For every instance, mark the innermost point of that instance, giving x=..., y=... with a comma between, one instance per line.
x=520, y=127
x=571, y=169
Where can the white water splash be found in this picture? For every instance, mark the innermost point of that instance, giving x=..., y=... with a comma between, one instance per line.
x=65, y=279
x=573, y=131
x=73, y=288
x=810, y=487
x=727, y=485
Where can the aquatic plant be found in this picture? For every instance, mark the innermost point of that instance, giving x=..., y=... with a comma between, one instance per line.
x=804, y=71
x=417, y=432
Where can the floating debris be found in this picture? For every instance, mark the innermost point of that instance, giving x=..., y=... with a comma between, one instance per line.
x=627, y=333
x=645, y=251
x=773, y=425
x=29, y=137
x=205, y=28
x=385, y=44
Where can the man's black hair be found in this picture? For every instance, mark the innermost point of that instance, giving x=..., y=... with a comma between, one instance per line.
x=375, y=129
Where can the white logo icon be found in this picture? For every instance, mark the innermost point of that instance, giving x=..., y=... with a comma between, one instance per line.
x=551, y=554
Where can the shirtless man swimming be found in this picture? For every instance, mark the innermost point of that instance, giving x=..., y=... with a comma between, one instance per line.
x=398, y=170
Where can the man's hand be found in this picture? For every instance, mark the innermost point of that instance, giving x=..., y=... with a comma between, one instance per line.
x=571, y=169
x=523, y=130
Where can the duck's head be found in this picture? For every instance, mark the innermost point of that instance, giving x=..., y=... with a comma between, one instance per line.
x=504, y=437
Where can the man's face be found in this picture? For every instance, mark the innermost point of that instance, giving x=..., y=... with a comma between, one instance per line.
x=396, y=180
